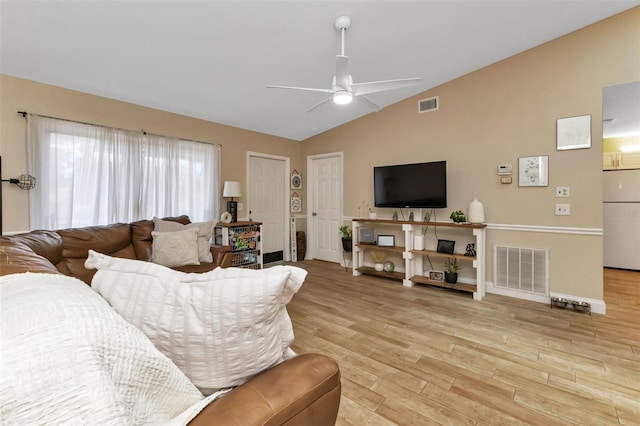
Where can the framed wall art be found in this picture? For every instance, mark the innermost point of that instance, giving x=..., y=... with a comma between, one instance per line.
x=296, y=203
x=533, y=171
x=573, y=133
x=296, y=180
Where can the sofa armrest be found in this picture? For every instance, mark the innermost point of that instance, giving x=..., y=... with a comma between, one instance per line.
x=16, y=257
x=304, y=390
x=222, y=255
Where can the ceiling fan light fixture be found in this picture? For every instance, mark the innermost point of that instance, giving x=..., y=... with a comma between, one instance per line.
x=343, y=97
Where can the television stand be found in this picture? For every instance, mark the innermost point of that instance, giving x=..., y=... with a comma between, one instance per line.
x=413, y=259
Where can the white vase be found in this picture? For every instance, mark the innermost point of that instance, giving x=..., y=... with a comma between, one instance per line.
x=475, y=213
x=418, y=242
x=378, y=267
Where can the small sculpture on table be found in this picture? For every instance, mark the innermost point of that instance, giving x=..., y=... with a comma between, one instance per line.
x=471, y=250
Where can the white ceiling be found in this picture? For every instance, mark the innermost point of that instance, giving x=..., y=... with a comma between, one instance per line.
x=213, y=59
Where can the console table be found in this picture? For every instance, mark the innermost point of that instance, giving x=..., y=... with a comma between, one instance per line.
x=413, y=259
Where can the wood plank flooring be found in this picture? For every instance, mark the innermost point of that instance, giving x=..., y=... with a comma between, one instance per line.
x=422, y=355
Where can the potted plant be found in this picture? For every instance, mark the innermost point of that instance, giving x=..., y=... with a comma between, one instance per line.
x=458, y=216
x=451, y=269
x=347, y=237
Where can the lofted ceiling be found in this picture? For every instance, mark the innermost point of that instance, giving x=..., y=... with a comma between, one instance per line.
x=213, y=59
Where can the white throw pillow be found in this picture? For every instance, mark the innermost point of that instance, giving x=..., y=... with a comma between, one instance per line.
x=205, y=231
x=220, y=328
x=175, y=248
x=67, y=357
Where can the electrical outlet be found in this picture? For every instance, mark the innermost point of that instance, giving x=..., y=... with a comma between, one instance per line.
x=562, y=192
x=240, y=207
x=563, y=209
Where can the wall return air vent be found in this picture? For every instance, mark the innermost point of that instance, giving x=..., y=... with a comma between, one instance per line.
x=431, y=104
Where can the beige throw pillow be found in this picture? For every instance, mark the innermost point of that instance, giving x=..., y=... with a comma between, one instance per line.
x=205, y=231
x=220, y=328
x=175, y=248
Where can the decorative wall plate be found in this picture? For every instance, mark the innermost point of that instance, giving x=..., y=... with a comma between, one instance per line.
x=296, y=203
x=296, y=180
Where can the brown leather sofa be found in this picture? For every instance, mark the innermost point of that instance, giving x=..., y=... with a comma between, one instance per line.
x=304, y=390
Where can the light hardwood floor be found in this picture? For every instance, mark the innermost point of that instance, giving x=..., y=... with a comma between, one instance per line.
x=421, y=355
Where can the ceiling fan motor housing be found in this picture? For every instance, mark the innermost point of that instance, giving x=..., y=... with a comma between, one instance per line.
x=342, y=23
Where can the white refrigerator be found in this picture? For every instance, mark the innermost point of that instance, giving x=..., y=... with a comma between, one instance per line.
x=622, y=219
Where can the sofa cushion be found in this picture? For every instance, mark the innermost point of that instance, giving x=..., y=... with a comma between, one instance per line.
x=17, y=257
x=220, y=328
x=175, y=248
x=47, y=244
x=113, y=240
x=141, y=235
x=205, y=231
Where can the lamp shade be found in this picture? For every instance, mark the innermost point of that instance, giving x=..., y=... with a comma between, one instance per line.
x=232, y=189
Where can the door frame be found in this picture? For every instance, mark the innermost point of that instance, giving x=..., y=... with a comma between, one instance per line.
x=286, y=255
x=311, y=229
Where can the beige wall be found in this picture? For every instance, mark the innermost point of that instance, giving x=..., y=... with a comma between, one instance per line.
x=496, y=115
x=23, y=95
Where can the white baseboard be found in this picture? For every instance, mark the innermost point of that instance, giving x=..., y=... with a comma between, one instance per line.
x=597, y=306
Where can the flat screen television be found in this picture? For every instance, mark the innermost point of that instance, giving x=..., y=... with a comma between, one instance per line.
x=419, y=185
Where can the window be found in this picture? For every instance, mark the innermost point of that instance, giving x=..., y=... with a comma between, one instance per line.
x=94, y=175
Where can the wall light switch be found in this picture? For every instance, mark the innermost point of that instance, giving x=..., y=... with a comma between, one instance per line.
x=562, y=192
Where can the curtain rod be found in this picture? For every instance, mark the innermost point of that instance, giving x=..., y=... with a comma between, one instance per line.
x=24, y=115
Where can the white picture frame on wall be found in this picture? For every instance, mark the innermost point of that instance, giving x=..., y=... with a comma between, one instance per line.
x=533, y=171
x=573, y=133
x=296, y=203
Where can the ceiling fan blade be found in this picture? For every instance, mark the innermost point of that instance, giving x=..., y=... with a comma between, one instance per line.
x=381, y=86
x=376, y=107
x=319, y=103
x=342, y=71
x=307, y=89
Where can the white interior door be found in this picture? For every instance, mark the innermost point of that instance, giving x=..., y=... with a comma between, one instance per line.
x=325, y=193
x=267, y=184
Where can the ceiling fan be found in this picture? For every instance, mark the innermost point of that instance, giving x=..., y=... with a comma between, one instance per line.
x=344, y=89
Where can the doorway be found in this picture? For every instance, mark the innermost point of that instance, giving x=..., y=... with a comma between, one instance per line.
x=268, y=203
x=621, y=175
x=324, y=191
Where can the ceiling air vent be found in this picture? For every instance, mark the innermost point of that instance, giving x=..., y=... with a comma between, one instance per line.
x=430, y=104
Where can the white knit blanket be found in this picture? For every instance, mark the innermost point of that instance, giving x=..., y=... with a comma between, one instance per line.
x=67, y=358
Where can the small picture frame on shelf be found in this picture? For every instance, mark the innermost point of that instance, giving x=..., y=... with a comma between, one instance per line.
x=435, y=275
x=446, y=246
x=386, y=240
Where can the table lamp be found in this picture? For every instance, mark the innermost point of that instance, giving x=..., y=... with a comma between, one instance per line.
x=232, y=189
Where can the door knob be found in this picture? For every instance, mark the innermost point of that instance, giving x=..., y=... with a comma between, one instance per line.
x=314, y=214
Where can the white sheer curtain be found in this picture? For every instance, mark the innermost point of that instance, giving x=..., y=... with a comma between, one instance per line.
x=94, y=175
